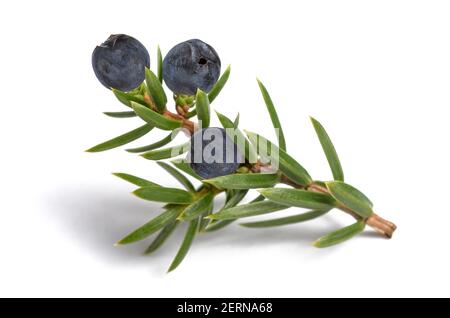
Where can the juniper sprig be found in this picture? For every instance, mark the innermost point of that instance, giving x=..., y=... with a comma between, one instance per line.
x=234, y=163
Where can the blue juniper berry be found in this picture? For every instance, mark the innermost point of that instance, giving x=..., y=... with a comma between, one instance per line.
x=120, y=62
x=213, y=153
x=191, y=65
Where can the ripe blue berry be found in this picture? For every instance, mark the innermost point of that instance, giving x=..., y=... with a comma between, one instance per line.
x=190, y=65
x=120, y=62
x=213, y=153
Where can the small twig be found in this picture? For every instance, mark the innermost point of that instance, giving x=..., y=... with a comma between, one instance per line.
x=182, y=110
x=376, y=222
x=149, y=101
x=189, y=125
x=288, y=181
x=381, y=225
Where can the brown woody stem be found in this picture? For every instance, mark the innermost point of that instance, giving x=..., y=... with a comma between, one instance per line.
x=375, y=221
x=189, y=125
x=383, y=226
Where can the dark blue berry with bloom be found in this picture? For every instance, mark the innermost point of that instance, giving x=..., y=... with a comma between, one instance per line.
x=213, y=153
x=191, y=65
x=120, y=62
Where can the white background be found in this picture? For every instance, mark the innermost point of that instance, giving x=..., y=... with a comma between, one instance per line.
x=375, y=73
